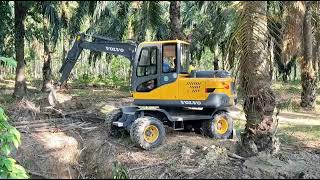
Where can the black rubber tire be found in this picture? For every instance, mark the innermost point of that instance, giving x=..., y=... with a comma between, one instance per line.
x=112, y=130
x=209, y=129
x=137, y=132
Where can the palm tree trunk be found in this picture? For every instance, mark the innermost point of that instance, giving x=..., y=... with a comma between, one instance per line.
x=259, y=99
x=65, y=24
x=20, y=88
x=308, y=78
x=231, y=57
x=175, y=21
x=46, y=70
x=108, y=59
x=216, y=63
x=1, y=72
x=65, y=45
x=292, y=31
x=316, y=59
x=271, y=58
x=277, y=50
x=295, y=71
x=318, y=67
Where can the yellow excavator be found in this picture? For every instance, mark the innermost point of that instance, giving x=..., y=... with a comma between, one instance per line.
x=164, y=91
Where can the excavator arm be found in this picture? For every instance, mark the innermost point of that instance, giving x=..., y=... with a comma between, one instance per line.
x=99, y=44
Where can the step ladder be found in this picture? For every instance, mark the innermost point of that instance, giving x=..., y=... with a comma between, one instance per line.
x=178, y=123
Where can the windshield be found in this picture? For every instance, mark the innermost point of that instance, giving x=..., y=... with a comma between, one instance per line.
x=185, y=58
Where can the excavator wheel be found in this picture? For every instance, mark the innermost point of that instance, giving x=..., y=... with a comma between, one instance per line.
x=114, y=131
x=219, y=127
x=147, y=132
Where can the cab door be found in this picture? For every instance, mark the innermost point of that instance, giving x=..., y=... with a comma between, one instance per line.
x=146, y=75
x=169, y=71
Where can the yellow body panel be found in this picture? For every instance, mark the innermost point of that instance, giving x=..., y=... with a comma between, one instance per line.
x=185, y=88
x=164, y=42
x=219, y=84
x=165, y=92
x=192, y=88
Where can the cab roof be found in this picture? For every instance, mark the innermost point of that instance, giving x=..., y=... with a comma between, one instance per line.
x=165, y=42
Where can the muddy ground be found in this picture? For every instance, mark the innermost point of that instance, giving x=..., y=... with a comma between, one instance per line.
x=70, y=140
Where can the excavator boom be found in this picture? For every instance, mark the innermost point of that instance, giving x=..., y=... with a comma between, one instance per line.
x=99, y=44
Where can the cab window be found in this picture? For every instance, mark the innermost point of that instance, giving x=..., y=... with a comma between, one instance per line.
x=169, y=58
x=147, y=64
x=185, y=58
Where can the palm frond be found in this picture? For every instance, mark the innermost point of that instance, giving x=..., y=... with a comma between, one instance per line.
x=51, y=11
x=6, y=32
x=10, y=62
x=77, y=18
x=276, y=25
x=101, y=8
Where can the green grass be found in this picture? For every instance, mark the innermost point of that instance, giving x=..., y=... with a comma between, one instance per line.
x=289, y=134
x=6, y=100
x=288, y=95
x=119, y=171
x=312, y=132
x=113, y=82
x=239, y=125
x=103, y=93
x=293, y=87
x=287, y=139
x=298, y=134
x=6, y=84
x=289, y=105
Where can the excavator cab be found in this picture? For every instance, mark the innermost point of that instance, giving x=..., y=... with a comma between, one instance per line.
x=161, y=78
x=157, y=64
x=164, y=91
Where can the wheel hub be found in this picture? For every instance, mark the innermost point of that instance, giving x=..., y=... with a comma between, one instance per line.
x=151, y=134
x=222, y=126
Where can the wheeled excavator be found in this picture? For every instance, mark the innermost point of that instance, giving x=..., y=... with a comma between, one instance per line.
x=164, y=92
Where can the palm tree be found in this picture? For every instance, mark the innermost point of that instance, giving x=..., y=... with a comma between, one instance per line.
x=259, y=99
x=51, y=30
x=308, y=75
x=148, y=15
x=46, y=70
x=292, y=21
x=175, y=20
x=121, y=20
x=110, y=19
x=316, y=48
x=209, y=25
x=20, y=11
x=6, y=30
x=66, y=11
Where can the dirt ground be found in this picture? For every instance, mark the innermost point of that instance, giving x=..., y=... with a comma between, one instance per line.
x=70, y=140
